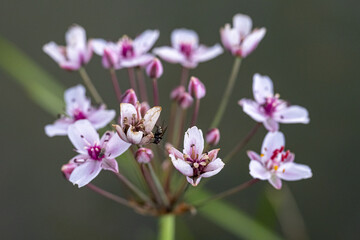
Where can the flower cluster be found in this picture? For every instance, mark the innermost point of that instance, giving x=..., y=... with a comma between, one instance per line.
x=138, y=131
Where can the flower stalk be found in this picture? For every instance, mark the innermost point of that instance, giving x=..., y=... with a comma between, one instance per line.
x=88, y=83
x=232, y=79
x=116, y=85
x=167, y=227
x=142, y=84
x=132, y=80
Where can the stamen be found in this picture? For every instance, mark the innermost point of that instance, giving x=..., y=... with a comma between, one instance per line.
x=276, y=167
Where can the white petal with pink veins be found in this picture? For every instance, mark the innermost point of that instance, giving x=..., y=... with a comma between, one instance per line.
x=213, y=153
x=242, y=23
x=251, y=41
x=145, y=41
x=141, y=60
x=292, y=114
x=85, y=173
x=101, y=117
x=252, y=108
x=121, y=133
x=213, y=168
x=128, y=111
x=230, y=37
x=275, y=181
x=98, y=45
x=262, y=88
x=179, y=36
x=294, y=171
x=55, y=52
x=175, y=152
x=110, y=164
x=253, y=156
x=151, y=117
x=192, y=182
x=115, y=146
x=59, y=128
x=203, y=53
x=257, y=170
x=82, y=134
x=76, y=37
x=70, y=65
x=133, y=136
x=193, y=141
x=182, y=166
x=169, y=54
x=271, y=125
x=272, y=141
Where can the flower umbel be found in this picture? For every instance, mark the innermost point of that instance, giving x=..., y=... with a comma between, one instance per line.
x=78, y=107
x=95, y=154
x=274, y=163
x=268, y=108
x=192, y=162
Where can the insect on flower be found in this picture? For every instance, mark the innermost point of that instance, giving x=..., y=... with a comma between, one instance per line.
x=159, y=133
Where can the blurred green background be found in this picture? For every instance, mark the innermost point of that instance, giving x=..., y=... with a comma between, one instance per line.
x=311, y=51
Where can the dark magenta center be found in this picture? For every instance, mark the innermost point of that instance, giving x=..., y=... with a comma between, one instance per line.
x=127, y=50
x=95, y=152
x=78, y=115
x=186, y=49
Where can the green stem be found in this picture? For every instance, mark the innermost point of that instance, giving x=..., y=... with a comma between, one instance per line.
x=158, y=185
x=90, y=86
x=167, y=227
x=220, y=112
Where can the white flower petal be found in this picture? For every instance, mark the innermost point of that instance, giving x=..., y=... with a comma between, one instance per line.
x=59, y=128
x=251, y=41
x=252, y=109
x=55, y=52
x=275, y=181
x=85, y=173
x=82, y=134
x=272, y=141
x=242, y=23
x=133, y=136
x=292, y=114
x=179, y=36
x=141, y=60
x=145, y=41
x=115, y=146
x=254, y=156
x=169, y=54
x=193, y=140
x=110, y=164
x=294, y=171
x=182, y=166
x=271, y=125
x=76, y=37
x=151, y=117
x=76, y=99
x=98, y=45
x=213, y=168
x=203, y=53
x=192, y=182
x=128, y=111
x=262, y=88
x=230, y=38
x=257, y=170
x=101, y=117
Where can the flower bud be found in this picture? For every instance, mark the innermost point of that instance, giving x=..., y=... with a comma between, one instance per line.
x=144, y=155
x=144, y=107
x=67, y=169
x=177, y=92
x=154, y=69
x=213, y=136
x=129, y=97
x=196, y=88
x=185, y=100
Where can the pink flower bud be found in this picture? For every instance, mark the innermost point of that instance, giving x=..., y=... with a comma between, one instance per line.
x=144, y=107
x=185, y=100
x=177, y=92
x=154, y=69
x=67, y=169
x=196, y=88
x=213, y=136
x=144, y=155
x=129, y=97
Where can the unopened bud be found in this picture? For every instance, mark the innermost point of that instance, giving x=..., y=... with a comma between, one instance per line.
x=144, y=155
x=154, y=69
x=144, y=107
x=177, y=92
x=129, y=97
x=185, y=100
x=213, y=136
x=67, y=169
x=196, y=88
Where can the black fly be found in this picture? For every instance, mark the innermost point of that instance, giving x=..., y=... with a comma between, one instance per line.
x=159, y=133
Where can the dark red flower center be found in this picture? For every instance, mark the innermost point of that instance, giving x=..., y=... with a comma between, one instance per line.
x=96, y=152
x=186, y=49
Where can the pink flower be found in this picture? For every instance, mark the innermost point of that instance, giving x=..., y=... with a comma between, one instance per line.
x=275, y=164
x=135, y=127
x=268, y=108
x=94, y=154
x=126, y=52
x=129, y=96
x=186, y=49
x=192, y=162
x=78, y=107
x=240, y=40
x=75, y=54
x=213, y=136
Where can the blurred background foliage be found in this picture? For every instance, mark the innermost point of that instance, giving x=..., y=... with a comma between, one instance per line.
x=310, y=52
